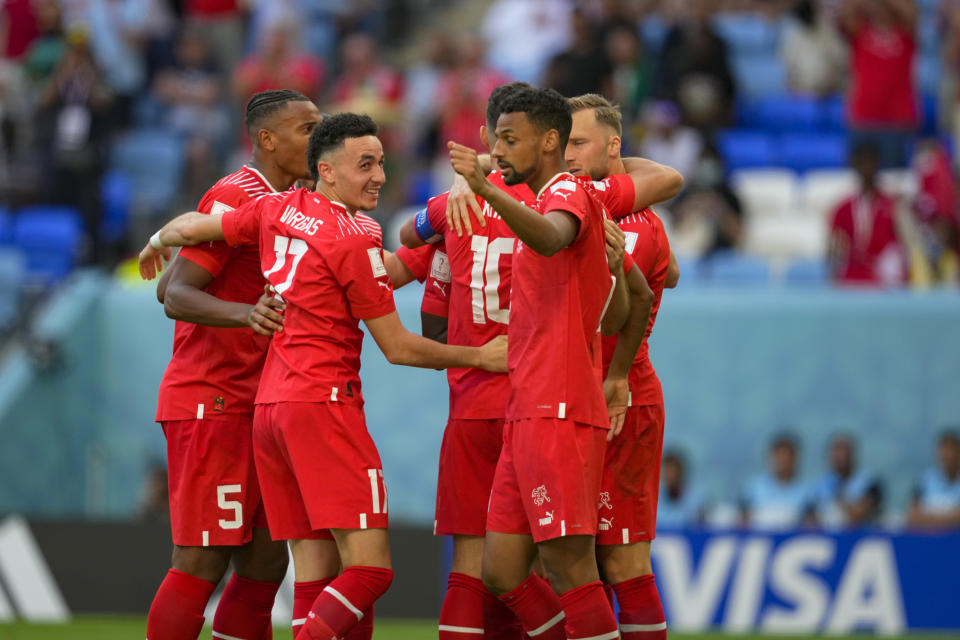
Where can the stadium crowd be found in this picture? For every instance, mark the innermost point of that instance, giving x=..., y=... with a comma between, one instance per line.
x=124, y=109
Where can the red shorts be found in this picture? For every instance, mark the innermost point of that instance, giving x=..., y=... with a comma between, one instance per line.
x=318, y=469
x=631, y=479
x=214, y=494
x=468, y=460
x=548, y=479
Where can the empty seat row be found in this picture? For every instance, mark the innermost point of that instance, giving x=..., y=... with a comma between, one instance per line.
x=49, y=238
x=732, y=269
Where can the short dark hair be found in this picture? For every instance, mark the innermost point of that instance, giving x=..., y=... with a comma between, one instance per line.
x=495, y=101
x=265, y=104
x=676, y=457
x=545, y=108
x=785, y=439
x=332, y=131
x=949, y=435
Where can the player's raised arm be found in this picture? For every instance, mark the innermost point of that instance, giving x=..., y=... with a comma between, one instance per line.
x=546, y=234
x=402, y=347
x=653, y=182
x=619, y=307
x=185, y=230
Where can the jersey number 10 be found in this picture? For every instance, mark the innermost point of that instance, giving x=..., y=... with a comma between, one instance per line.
x=486, y=265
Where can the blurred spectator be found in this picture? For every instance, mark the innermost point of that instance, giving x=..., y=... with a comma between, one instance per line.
x=461, y=96
x=631, y=78
x=14, y=113
x=935, y=214
x=222, y=24
x=707, y=215
x=189, y=91
x=73, y=130
x=155, y=497
x=525, y=34
x=47, y=48
x=777, y=499
x=847, y=496
x=278, y=63
x=694, y=69
x=812, y=51
x=422, y=79
x=936, y=502
x=883, y=97
x=584, y=67
x=864, y=248
x=668, y=142
x=365, y=85
x=679, y=505
x=18, y=27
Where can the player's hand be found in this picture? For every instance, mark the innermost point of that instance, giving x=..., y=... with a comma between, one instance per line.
x=460, y=202
x=266, y=317
x=464, y=161
x=617, y=393
x=151, y=261
x=616, y=243
x=494, y=355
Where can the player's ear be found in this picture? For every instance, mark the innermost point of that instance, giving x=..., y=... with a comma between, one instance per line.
x=613, y=147
x=551, y=141
x=326, y=172
x=483, y=136
x=265, y=138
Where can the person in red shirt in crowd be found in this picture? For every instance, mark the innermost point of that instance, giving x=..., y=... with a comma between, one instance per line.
x=935, y=210
x=206, y=399
x=882, y=106
x=365, y=85
x=547, y=480
x=309, y=426
x=864, y=248
x=631, y=467
x=222, y=23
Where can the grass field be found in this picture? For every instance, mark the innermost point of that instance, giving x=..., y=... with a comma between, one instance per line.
x=132, y=628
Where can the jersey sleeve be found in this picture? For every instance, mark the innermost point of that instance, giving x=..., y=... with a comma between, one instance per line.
x=358, y=266
x=436, y=294
x=416, y=260
x=213, y=256
x=617, y=193
x=242, y=225
x=569, y=196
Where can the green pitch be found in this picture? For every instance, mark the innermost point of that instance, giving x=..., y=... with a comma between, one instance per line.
x=117, y=628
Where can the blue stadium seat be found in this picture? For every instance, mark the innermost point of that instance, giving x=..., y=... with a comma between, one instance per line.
x=153, y=161
x=807, y=273
x=747, y=34
x=833, y=113
x=6, y=226
x=51, y=238
x=759, y=76
x=12, y=270
x=746, y=149
x=731, y=268
x=813, y=151
x=783, y=114
x=116, y=193
x=929, y=73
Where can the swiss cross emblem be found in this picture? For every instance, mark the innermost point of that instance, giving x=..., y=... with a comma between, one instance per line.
x=539, y=495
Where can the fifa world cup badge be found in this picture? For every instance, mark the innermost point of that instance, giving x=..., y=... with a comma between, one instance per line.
x=218, y=403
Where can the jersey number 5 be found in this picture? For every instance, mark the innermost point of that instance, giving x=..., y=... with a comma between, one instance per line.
x=486, y=266
x=283, y=245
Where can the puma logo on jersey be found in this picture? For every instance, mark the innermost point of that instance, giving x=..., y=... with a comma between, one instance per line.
x=548, y=519
x=605, y=525
x=440, y=286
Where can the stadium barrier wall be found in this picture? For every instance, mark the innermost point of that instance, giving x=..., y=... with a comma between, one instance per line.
x=797, y=582
x=736, y=366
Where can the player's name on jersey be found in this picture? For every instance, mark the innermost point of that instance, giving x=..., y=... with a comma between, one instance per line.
x=300, y=221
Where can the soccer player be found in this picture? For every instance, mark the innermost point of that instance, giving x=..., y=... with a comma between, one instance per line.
x=206, y=400
x=430, y=265
x=316, y=462
x=631, y=472
x=547, y=481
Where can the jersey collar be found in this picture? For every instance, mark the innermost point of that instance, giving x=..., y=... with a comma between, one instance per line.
x=262, y=177
x=550, y=182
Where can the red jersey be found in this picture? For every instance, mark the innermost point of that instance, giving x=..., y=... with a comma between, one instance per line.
x=647, y=244
x=430, y=265
x=216, y=369
x=882, y=91
x=557, y=304
x=479, y=273
x=316, y=358
x=868, y=227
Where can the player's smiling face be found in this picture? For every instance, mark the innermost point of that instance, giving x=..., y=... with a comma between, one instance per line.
x=291, y=131
x=589, y=148
x=516, y=150
x=358, y=169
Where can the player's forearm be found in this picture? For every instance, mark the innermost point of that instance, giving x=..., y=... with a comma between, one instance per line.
x=653, y=182
x=534, y=230
x=416, y=351
x=619, y=308
x=408, y=234
x=190, y=229
x=190, y=304
x=635, y=327
x=485, y=162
